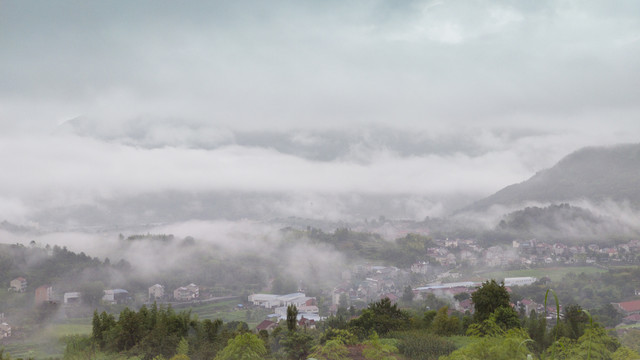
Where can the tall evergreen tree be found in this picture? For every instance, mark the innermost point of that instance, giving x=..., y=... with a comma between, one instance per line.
x=292, y=317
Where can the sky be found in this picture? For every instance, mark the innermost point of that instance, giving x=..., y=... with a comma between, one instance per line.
x=112, y=99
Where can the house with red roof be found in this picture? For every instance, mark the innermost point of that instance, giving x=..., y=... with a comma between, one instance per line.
x=267, y=325
x=632, y=319
x=628, y=307
x=392, y=297
x=306, y=323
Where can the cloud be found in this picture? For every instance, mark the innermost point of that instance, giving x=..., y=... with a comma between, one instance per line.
x=74, y=165
x=284, y=65
x=419, y=98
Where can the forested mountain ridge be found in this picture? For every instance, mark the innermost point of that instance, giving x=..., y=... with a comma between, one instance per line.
x=564, y=222
x=592, y=173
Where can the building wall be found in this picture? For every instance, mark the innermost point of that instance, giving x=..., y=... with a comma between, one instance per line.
x=43, y=294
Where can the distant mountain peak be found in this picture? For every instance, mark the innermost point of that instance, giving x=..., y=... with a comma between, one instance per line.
x=591, y=173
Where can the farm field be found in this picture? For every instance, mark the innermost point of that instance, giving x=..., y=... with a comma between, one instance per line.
x=47, y=343
x=227, y=311
x=555, y=273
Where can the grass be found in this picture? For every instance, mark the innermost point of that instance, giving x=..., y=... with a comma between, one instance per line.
x=46, y=342
x=631, y=326
x=227, y=311
x=461, y=341
x=554, y=273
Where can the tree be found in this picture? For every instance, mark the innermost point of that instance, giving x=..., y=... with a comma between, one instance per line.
x=380, y=317
x=178, y=357
x=511, y=346
x=246, y=346
x=283, y=286
x=343, y=301
x=183, y=347
x=487, y=328
x=292, y=317
x=130, y=329
x=576, y=321
x=445, y=325
x=297, y=345
x=631, y=339
x=506, y=317
x=92, y=293
x=375, y=349
x=428, y=317
x=489, y=297
x=537, y=329
x=624, y=353
x=607, y=315
x=407, y=295
x=344, y=336
x=332, y=350
x=96, y=333
x=594, y=344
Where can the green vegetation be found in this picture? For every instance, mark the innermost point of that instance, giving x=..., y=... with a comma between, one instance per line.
x=402, y=252
x=244, y=346
x=554, y=273
x=50, y=340
x=228, y=311
x=594, y=291
x=382, y=331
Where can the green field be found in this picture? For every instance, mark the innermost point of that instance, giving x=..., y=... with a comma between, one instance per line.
x=46, y=342
x=227, y=311
x=554, y=273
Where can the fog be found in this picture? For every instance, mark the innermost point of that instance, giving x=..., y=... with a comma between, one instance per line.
x=274, y=147
x=326, y=103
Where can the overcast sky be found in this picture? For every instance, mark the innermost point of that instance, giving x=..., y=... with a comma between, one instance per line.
x=164, y=94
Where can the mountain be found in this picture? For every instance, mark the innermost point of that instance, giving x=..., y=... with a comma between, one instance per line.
x=565, y=222
x=593, y=173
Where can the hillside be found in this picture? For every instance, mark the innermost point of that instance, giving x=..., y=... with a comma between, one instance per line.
x=564, y=222
x=594, y=173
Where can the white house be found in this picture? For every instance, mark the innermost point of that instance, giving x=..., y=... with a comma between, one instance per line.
x=72, y=297
x=519, y=281
x=18, y=284
x=116, y=296
x=265, y=300
x=271, y=300
x=156, y=292
x=186, y=293
x=5, y=330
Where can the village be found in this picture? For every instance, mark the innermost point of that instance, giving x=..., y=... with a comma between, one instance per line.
x=451, y=271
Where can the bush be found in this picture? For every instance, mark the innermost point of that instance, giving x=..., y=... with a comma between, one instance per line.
x=420, y=345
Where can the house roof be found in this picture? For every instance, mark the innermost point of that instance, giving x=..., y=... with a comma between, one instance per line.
x=20, y=278
x=630, y=306
x=391, y=296
x=467, y=303
x=116, y=291
x=303, y=320
x=289, y=297
x=266, y=325
x=634, y=318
